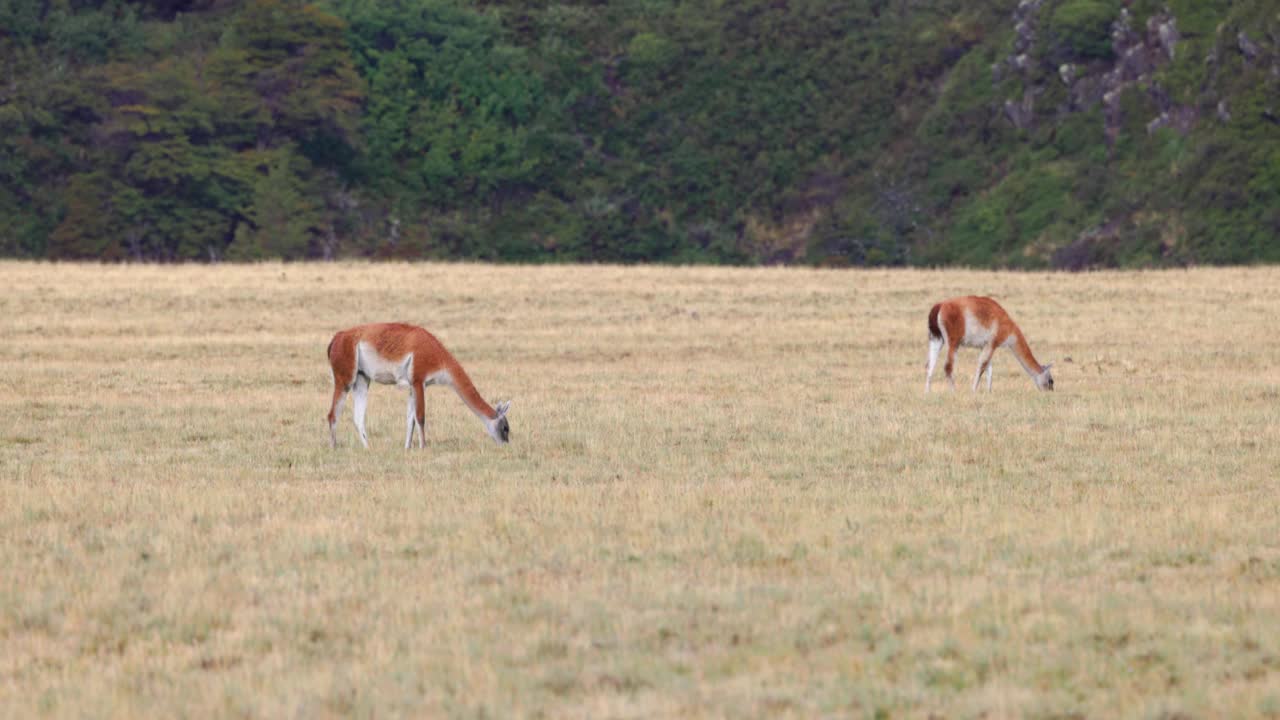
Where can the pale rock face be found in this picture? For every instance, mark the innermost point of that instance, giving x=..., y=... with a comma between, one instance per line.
x=1138, y=55
x=1247, y=47
x=1021, y=114
x=1168, y=33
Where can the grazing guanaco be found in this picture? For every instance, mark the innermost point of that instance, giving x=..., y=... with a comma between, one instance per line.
x=979, y=322
x=409, y=357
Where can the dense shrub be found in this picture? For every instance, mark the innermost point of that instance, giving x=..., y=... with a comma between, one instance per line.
x=1082, y=28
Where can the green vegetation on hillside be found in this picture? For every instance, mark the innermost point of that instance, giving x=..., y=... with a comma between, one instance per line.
x=1040, y=133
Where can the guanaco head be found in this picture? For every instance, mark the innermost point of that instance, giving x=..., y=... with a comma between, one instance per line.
x=499, y=428
x=1044, y=380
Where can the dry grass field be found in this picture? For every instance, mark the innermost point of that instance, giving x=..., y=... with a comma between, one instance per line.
x=727, y=496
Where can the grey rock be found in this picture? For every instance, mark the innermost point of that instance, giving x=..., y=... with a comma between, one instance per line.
x=1169, y=37
x=1021, y=114
x=1248, y=48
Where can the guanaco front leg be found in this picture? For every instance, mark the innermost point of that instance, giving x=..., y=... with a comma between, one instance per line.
x=419, y=395
x=415, y=418
x=984, y=363
x=410, y=422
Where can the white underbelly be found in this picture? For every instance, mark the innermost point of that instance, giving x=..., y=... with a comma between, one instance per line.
x=380, y=369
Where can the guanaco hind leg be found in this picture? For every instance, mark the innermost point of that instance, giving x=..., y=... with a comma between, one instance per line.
x=952, y=346
x=335, y=410
x=341, y=386
x=342, y=365
x=935, y=347
x=360, y=404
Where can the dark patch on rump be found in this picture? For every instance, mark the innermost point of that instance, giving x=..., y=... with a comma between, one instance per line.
x=934, y=330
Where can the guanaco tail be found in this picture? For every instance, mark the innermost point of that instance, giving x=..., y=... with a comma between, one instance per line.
x=409, y=357
x=979, y=322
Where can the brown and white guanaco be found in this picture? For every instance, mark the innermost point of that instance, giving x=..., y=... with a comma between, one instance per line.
x=979, y=322
x=409, y=357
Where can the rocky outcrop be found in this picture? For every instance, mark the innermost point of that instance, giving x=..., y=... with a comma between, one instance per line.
x=1025, y=24
x=1137, y=55
x=1023, y=112
x=1248, y=48
x=1179, y=117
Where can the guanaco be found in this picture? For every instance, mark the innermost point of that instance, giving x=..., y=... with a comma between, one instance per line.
x=409, y=357
x=979, y=322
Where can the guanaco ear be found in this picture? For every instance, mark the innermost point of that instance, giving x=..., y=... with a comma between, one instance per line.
x=502, y=407
x=1046, y=367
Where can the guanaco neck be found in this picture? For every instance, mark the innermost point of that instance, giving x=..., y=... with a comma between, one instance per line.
x=1023, y=351
x=467, y=391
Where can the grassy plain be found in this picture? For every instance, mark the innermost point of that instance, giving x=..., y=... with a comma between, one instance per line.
x=727, y=496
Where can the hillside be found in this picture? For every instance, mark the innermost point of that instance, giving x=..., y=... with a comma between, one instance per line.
x=1043, y=133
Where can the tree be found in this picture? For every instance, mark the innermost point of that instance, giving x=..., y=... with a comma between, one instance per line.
x=284, y=75
x=454, y=110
